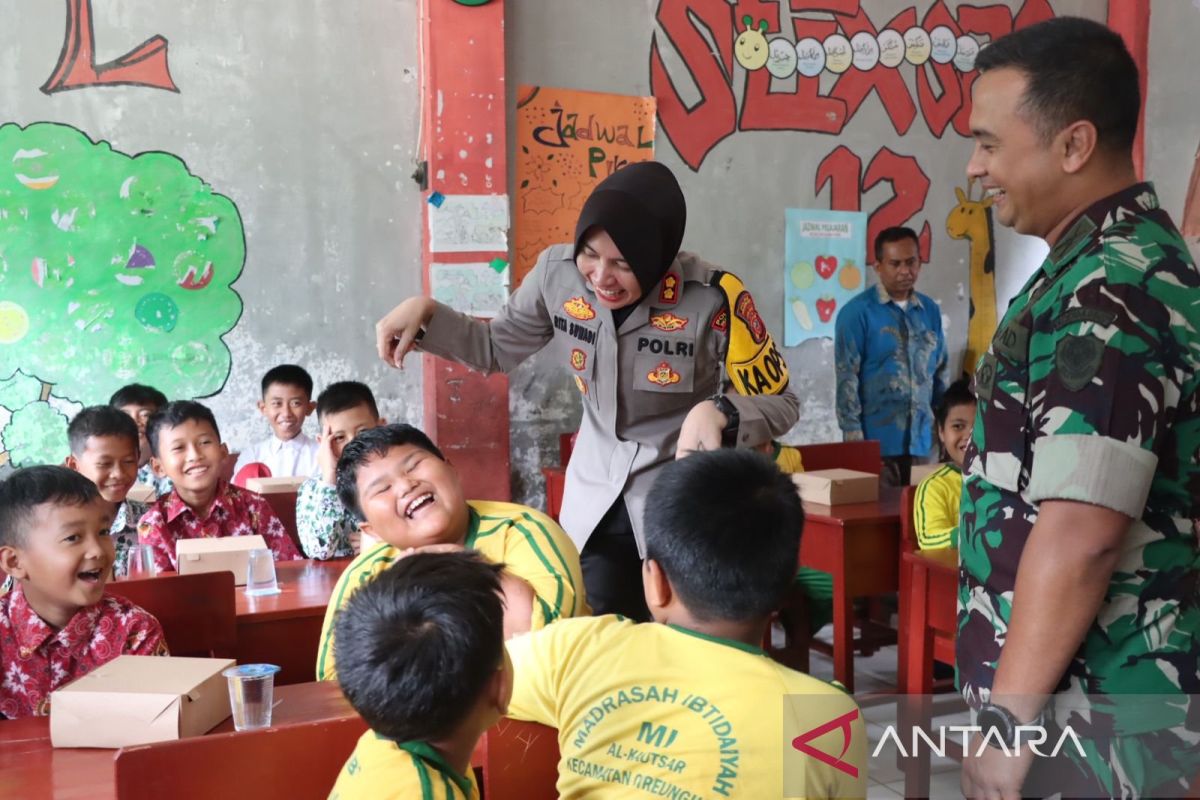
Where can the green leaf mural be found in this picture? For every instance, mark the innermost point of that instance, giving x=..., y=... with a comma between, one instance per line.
x=113, y=269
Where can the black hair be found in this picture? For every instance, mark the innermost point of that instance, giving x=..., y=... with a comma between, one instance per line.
x=345, y=395
x=175, y=414
x=1077, y=69
x=416, y=646
x=893, y=234
x=137, y=394
x=101, y=421
x=26, y=489
x=724, y=525
x=956, y=394
x=288, y=375
x=374, y=443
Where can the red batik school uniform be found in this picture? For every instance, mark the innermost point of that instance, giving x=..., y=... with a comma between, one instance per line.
x=234, y=512
x=37, y=659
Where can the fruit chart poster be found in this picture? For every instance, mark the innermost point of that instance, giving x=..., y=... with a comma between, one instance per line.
x=825, y=257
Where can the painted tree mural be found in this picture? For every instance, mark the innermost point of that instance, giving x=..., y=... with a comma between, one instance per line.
x=113, y=269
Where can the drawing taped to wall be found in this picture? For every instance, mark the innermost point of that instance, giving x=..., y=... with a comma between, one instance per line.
x=113, y=269
x=972, y=220
x=823, y=254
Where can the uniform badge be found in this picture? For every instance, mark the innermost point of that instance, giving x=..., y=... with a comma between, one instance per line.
x=579, y=308
x=578, y=359
x=1077, y=360
x=720, y=321
x=581, y=384
x=667, y=321
x=662, y=375
x=669, y=294
x=747, y=313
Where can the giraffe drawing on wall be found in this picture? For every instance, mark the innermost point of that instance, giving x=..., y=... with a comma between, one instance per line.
x=972, y=220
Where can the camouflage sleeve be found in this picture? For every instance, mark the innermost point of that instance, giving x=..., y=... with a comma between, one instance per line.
x=1104, y=381
x=849, y=341
x=322, y=523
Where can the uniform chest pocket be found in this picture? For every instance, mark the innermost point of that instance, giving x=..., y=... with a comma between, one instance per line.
x=665, y=364
x=576, y=345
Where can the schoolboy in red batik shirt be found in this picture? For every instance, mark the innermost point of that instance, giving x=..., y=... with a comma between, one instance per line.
x=186, y=447
x=57, y=624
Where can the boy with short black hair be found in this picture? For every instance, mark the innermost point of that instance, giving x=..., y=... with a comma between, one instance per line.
x=423, y=661
x=140, y=402
x=327, y=530
x=403, y=492
x=57, y=624
x=104, y=449
x=187, y=448
x=286, y=402
x=689, y=702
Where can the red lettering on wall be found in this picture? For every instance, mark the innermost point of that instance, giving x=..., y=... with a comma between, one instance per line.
x=695, y=131
x=939, y=106
x=992, y=22
x=144, y=65
x=854, y=85
x=840, y=169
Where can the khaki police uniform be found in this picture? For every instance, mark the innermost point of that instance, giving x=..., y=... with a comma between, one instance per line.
x=637, y=383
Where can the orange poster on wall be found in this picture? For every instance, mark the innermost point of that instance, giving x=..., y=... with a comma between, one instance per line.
x=567, y=142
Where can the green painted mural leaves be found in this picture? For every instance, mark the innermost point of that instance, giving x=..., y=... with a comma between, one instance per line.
x=35, y=434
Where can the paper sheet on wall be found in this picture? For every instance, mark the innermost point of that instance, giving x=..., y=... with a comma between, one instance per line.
x=476, y=288
x=825, y=255
x=469, y=223
x=567, y=142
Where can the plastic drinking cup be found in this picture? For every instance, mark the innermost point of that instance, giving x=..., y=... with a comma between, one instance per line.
x=260, y=577
x=139, y=561
x=251, y=692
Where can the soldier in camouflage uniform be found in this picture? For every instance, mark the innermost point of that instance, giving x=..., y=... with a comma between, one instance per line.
x=1078, y=574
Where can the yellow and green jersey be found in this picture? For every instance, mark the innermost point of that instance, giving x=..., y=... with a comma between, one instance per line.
x=935, y=508
x=381, y=769
x=530, y=544
x=658, y=710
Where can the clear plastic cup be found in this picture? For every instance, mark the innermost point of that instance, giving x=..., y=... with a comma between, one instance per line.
x=260, y=573
x=139, y=561
x=251, y=693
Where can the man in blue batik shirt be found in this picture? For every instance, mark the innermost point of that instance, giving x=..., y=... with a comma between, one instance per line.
x=890, y=355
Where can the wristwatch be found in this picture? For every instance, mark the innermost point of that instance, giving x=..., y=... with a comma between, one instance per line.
x=996, y=718
x=732, y=417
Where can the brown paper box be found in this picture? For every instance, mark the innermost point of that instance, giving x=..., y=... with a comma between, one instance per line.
x=832, y=487
x=922, y=471
x=269, y=485
x=140, y=699
x=142, y=493
x=229, y=553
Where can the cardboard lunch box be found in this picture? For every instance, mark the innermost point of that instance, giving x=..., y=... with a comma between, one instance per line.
x=834, y=487
x=271, y=485
x=922, y=471
x=140, y=699
x=231, y=553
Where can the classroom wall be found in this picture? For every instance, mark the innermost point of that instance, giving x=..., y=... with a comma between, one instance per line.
x=302, y=114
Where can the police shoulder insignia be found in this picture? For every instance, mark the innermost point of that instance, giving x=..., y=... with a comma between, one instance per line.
x=578, y=359
x=669, y=294
x=663, y=375
x=666, y=321
x=579, y=308
x=1077, y=360
x=747, y=313
x=720, y=320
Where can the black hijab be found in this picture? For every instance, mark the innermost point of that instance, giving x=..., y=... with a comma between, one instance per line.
x=642, y=209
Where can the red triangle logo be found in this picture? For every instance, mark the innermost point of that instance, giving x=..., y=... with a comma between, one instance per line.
x=801, y=743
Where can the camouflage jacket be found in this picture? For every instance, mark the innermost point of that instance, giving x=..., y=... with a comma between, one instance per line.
x=1089, y=392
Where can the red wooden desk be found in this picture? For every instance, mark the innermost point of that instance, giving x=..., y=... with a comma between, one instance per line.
x=859, y=545
x=285, y=628
x=931, y=616
x=30, y=769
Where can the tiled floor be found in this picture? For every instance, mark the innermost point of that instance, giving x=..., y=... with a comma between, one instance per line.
x=877, y=673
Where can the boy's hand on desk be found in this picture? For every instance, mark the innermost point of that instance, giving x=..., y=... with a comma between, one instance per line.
x=397, y=332
x=326, y=459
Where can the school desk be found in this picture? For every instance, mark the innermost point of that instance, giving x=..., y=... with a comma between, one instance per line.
x=285, y=628
x=858, y=544
x=516, y=759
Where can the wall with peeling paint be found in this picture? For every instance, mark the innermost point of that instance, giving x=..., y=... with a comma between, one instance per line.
x=305, y=116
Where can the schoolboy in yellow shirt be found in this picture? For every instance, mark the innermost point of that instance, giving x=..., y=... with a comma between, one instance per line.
x=422, y=654
x=405, y=493
x=936, y=505
x=689, y=703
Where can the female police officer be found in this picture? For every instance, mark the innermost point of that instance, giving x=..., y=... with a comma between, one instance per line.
x=651, y=335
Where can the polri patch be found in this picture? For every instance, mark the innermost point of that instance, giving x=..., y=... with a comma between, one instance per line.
x=579, y=308
x=578, y=359
x=1077, y=359
x=720, y=320
x=667, y=321
x=663, y=375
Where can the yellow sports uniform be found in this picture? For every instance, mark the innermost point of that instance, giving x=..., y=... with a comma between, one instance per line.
x=657, y=710
x=380, y=769
x=935, y=508
x=531, y=545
